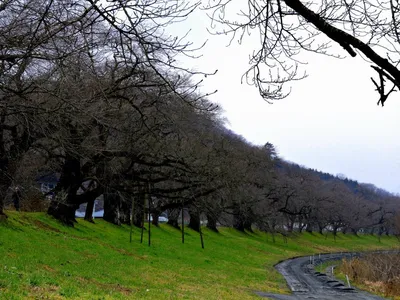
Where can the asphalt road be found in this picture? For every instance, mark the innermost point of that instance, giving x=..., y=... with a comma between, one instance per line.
x=306, y=283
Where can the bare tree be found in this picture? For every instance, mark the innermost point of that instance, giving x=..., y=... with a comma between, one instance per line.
x=287, y=28
x=67, y=65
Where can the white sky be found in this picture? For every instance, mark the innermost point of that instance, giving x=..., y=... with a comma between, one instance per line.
x=330, y=121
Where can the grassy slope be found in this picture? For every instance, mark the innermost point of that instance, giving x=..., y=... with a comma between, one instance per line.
x=41, y=258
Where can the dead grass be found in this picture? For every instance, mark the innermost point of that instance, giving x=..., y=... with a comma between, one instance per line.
x=44, y=292
x=108, y=286
x=45, y=226
x=378, y=273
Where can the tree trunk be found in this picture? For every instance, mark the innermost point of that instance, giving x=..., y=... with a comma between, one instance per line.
x=247, y=226
x=2, y=214
x=354, y=231
x=63, y=206
x=2, y=196
x=194, y=222
x=117, y=209
x=335, y=229
x=65, y=212
x=369, y=231
x=112, y=208
x=212, y=222
x=155, y=214
x=5, y=184
x=320, y=228
x=89, y=211
x=290, y=226
x=125, y=209
x=238, y=222
x=8, y=165
x=139, y=208
x=173, y=216
x=239, y=218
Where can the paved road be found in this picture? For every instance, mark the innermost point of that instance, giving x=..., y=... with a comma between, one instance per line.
x=306, y=283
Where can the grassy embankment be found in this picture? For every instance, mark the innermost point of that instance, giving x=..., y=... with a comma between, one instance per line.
x=41, y=258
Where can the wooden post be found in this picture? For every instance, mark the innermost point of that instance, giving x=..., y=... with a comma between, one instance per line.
x=183, y=223
x=348, y=281
x=201, y=234
x=143, y=218
x=149, y=208
x=132, y=213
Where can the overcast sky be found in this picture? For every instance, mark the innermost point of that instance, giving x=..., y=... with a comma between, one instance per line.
x=329, y=122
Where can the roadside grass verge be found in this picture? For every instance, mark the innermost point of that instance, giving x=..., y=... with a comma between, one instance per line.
x=40, y=258
x=377, y=273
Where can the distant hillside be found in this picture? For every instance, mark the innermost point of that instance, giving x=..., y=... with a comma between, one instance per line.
x=367, y=190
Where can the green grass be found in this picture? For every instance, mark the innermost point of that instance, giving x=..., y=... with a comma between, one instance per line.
x=332, y=263
x=40, y=258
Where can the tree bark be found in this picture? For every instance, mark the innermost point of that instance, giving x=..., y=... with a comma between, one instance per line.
x=5, y=183
x=194, y=222
x=139, y=208
x=155, y=214
x=89, y=211
x=173, y=216
x=2, y=196
x=212, y=222
x=64, y=212
x=290, y=225
x=320, y=228
x=125, y=209
x=63, y=206
x=238, y=222
x=2, y=207
x=247, y=225
x=335, y=229
x=112, y=207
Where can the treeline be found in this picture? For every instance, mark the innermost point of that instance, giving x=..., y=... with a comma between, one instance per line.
x=94, y=93
x=320, y=201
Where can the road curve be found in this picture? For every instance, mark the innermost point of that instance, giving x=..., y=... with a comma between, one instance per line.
x=306, y=283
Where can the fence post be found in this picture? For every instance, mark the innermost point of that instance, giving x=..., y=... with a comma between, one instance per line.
x=348, y=281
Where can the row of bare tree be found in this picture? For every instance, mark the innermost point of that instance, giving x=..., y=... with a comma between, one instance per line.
x=93, y=91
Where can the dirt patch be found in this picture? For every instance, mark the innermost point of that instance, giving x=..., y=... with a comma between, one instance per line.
x=44, y=292
x=48, y=268
x=123, y=251
x=108, y=286
x=89, y=255
x=45, y=226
